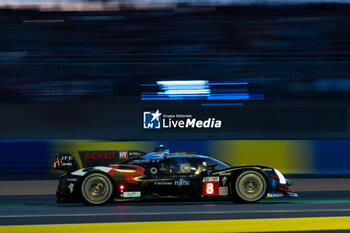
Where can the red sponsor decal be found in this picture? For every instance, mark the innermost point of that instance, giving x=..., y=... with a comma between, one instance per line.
x=99, y=155
x=56, y=164
x=129, y=174
x=111, y=172
x=210, y=188
x=123, y=154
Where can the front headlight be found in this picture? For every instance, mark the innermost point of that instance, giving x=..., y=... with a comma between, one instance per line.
x=281, y=177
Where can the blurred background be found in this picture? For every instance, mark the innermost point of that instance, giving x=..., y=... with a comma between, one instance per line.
x=77, y=75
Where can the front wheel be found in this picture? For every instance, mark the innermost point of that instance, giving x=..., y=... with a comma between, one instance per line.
x=249, y=187
x=96, y=189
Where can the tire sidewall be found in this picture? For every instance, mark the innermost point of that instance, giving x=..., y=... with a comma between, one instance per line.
x=238, y=197
x=98, y=174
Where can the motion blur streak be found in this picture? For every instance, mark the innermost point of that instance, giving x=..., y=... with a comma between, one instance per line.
x=288, y=155
x=294, y=153
x=108, y=51
x=247, y=225
x=200, y=89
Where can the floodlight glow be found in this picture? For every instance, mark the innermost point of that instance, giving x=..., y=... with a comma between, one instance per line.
x=184, y=82
x=185, y=92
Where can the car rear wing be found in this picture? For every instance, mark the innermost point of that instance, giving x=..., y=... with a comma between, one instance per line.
x=107, y=157
x=69, y=163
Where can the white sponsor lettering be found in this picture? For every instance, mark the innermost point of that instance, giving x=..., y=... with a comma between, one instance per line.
x=66, y=164
x=223, y=191
x=211, y=179
x=71, y=187
x=225, y=174
x=132, y=194
x=274, y=195
x=140, y=161
x=163, y=183
x=123, y=154
x=224, y=180
x=182, y=182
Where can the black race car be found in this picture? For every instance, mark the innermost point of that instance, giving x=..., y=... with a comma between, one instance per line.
x=134, y=175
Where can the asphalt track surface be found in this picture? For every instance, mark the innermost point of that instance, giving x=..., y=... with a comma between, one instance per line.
x=42, y=209
x=39, y=209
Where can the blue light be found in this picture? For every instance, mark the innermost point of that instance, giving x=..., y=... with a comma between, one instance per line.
x=200, y=90
x=228, y=83
x=192, y=83
x=222, y=104
x=238, y=96
x=184, y=89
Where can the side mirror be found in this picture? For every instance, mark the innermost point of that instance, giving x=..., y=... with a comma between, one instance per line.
x=211, y=166
x=166, y=154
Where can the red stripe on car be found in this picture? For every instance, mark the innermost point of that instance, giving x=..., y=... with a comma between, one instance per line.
x=111, y=172
x=128, y=173
x=286, y=190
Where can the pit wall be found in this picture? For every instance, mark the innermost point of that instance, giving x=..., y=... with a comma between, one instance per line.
x=289, y=156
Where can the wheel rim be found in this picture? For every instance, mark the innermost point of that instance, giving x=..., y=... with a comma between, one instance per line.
x=96, y=189
x=251, y=187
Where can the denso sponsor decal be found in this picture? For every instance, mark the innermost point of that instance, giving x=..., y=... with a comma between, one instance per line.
x=99, y=155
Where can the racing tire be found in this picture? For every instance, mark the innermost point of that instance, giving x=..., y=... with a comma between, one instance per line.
x=96, y=189
x=249, y=187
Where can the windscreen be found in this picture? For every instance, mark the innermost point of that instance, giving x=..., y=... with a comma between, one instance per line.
x=219, y=165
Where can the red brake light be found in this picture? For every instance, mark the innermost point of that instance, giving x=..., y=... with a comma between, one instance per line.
x=121, y=187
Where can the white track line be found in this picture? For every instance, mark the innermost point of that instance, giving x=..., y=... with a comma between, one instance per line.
x=173, y=213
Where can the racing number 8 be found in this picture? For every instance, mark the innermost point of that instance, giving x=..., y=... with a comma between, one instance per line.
x=210, y=188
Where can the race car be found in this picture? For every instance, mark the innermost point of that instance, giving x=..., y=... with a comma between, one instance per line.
x=135, y=175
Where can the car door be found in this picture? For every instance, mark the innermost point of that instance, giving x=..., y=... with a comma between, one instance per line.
x=182, y=171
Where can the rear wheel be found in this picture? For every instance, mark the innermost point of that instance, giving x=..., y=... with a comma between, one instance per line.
x=249, y=187
x=96, y=189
